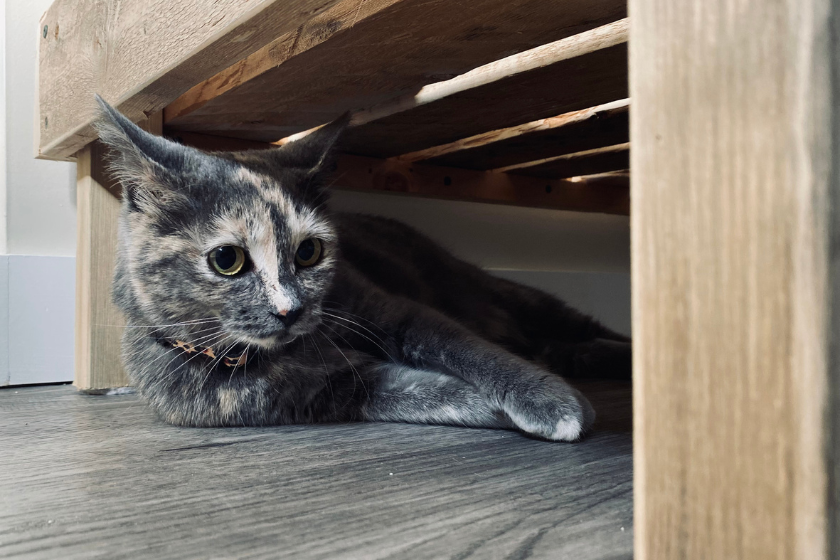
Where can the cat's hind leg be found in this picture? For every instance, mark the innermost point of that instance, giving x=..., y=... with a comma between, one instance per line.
x=569, y=343
x=599, y=358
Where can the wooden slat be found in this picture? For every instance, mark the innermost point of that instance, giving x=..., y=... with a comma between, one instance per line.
x=395, y=51
x=140, y=55
x=736, y=279
x=605, y=194
x=98, y=321
x=573, y=74
x=604, y=125
x=589, y=162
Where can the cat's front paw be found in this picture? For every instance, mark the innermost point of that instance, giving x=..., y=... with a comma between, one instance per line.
x=553, y=411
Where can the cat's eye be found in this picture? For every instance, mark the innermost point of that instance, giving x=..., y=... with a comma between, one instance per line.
x=308, y=252
x=227, y=259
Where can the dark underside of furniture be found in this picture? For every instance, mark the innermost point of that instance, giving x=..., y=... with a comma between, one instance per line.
x=100, y=476
x=508, y=102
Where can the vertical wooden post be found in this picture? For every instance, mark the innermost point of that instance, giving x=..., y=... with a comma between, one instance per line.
x=736, y=265
x=735, y=270
x=98, y=321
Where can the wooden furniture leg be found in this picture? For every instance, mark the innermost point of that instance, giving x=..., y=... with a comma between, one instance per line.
x=735, y=278
x=99, y=324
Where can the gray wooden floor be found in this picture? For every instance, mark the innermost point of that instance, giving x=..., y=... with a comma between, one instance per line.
x=101, y=477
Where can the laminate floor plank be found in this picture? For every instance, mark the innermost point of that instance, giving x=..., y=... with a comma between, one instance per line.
x=102, y=477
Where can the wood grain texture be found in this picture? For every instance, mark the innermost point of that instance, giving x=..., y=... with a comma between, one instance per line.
x=101, y=477
x=99, y=324
x=98, y=321
x=340, y=17
x=603, y=125
x=600, y=194
x=588, y=162
x=604, y=194
x=571, y=84
x=140, y=55
x=393, y=52
x=543, y=56
x=735, y=276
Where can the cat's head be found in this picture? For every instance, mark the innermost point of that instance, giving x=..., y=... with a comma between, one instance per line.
x=223, y=245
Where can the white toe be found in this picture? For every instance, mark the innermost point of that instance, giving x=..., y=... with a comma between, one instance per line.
x=568, y=429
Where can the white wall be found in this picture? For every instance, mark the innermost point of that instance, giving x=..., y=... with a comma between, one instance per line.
x=40, y=195
x=508, y=237
x=3, y=214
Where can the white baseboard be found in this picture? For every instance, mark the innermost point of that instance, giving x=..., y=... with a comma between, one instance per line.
x=37, y=300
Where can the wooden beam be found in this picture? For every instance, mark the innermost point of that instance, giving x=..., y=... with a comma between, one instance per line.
x=589, y=162
x=605, y=194
x=608, y=195
x=140, y=55
x=603, y=125
x=374, y=56
x=736, y=278
x=99, y=324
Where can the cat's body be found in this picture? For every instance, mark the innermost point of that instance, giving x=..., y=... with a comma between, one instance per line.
x=381, y=324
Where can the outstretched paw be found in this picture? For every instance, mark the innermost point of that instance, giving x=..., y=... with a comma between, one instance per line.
x=553, y=410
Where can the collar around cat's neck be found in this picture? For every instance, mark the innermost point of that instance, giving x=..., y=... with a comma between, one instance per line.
x=187, y=348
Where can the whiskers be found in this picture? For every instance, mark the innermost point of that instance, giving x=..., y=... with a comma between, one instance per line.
x=346, y=323
x=349, y=363
x=343, y=344
x=330, y=319
x=209, y=340
x=209, y=332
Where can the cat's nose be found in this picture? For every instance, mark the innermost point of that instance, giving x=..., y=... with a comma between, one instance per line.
x=289, y=317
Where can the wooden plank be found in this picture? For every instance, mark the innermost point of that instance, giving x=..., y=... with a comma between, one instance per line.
x=394, y=52
x=589, y=162
x=572, y=74
x=604, y=194
x=604, y=125
x=140, y=55
x=98, y=321
x=83, y=469
x=736, y=272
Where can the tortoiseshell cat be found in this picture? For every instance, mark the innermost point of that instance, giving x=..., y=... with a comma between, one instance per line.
x=253, y=304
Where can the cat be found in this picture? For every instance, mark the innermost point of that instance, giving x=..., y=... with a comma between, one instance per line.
x=250, y=303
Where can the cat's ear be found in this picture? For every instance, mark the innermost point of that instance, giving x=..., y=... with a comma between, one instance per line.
x=313, y=157
x=147, y=166
x=316, y=152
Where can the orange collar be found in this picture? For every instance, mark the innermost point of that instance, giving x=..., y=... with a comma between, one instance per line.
x=187, y=348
